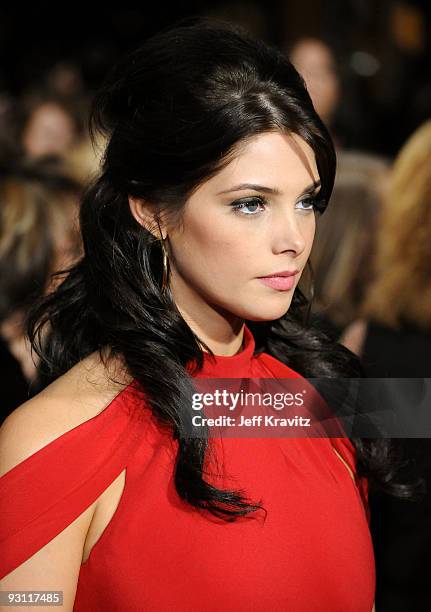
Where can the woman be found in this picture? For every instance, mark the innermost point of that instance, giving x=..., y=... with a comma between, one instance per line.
x=214, y=172
x=38, y=236
x=395, y=314
x=50, y=123
x=393, y=339
x=344, y=241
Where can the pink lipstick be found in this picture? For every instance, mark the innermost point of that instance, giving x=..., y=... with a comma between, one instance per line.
x=281, y=281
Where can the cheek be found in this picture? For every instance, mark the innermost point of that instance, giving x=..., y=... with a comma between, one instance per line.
x=209, y=249
x=309, y=233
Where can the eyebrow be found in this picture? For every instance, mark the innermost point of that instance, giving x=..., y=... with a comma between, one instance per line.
x=310, y=189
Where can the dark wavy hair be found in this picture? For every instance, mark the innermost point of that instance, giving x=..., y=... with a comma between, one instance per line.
x=175, y=111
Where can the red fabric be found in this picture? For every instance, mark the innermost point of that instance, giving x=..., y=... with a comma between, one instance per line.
x=313, y=552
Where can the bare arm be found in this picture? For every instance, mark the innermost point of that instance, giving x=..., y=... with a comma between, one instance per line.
x=55, y=566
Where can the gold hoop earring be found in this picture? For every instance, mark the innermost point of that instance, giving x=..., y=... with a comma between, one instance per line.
x=165, y=261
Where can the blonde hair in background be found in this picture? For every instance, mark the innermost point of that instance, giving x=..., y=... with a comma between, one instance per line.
x=22, y=219
x=401, y=288
x=83, y=160
x=38, y=233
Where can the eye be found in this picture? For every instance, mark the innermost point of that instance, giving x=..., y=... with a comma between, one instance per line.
x=309, y=204
x=313, y=202
x=248, y=206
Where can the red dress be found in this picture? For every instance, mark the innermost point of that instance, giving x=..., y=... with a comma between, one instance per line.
x=313, y=553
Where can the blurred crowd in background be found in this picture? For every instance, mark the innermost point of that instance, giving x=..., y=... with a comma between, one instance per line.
x=367, y=67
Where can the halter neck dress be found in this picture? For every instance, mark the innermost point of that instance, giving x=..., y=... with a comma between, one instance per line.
x=312, y=553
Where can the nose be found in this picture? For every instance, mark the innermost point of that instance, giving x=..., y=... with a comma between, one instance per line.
x=289, y=233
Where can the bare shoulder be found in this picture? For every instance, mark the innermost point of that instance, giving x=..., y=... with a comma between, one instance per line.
x=78, y=395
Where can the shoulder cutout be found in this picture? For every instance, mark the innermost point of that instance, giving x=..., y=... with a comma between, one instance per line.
x=345, y=463
x=79, y=395
x=58, y=453
x=346, y=452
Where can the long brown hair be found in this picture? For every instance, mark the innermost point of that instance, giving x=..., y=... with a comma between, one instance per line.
x=343, y=246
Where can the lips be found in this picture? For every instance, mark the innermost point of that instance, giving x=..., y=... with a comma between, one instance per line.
x=282, y=281
x=284, y=273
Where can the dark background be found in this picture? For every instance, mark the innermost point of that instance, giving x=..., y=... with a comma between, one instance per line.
x=386, y=92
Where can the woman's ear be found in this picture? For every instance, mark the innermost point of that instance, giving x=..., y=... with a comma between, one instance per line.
x=146, y=215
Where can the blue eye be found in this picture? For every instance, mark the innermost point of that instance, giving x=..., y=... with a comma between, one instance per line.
x=243, y=206
x=314, y=203
x=309, y=202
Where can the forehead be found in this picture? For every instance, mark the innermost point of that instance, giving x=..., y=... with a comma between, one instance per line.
x=273, y=159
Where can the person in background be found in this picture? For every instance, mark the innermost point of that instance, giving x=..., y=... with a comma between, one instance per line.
x=315, y=62
x=338, y=92
x=395, y=312
x=393, y=338
x=83, y=160
x=344, y=242
x=50, y=124
x=38, y=236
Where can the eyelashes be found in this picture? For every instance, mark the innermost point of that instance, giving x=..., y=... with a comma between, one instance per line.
x=257, y=204
x=239, y=206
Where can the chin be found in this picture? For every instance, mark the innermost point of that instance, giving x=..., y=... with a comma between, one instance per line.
x=270, y=313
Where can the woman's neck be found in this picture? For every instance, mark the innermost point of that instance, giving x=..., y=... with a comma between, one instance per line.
x=224, y=336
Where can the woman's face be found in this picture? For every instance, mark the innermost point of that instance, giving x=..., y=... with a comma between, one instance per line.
x=315, y=63
x=232, y=234
x=50, y=131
